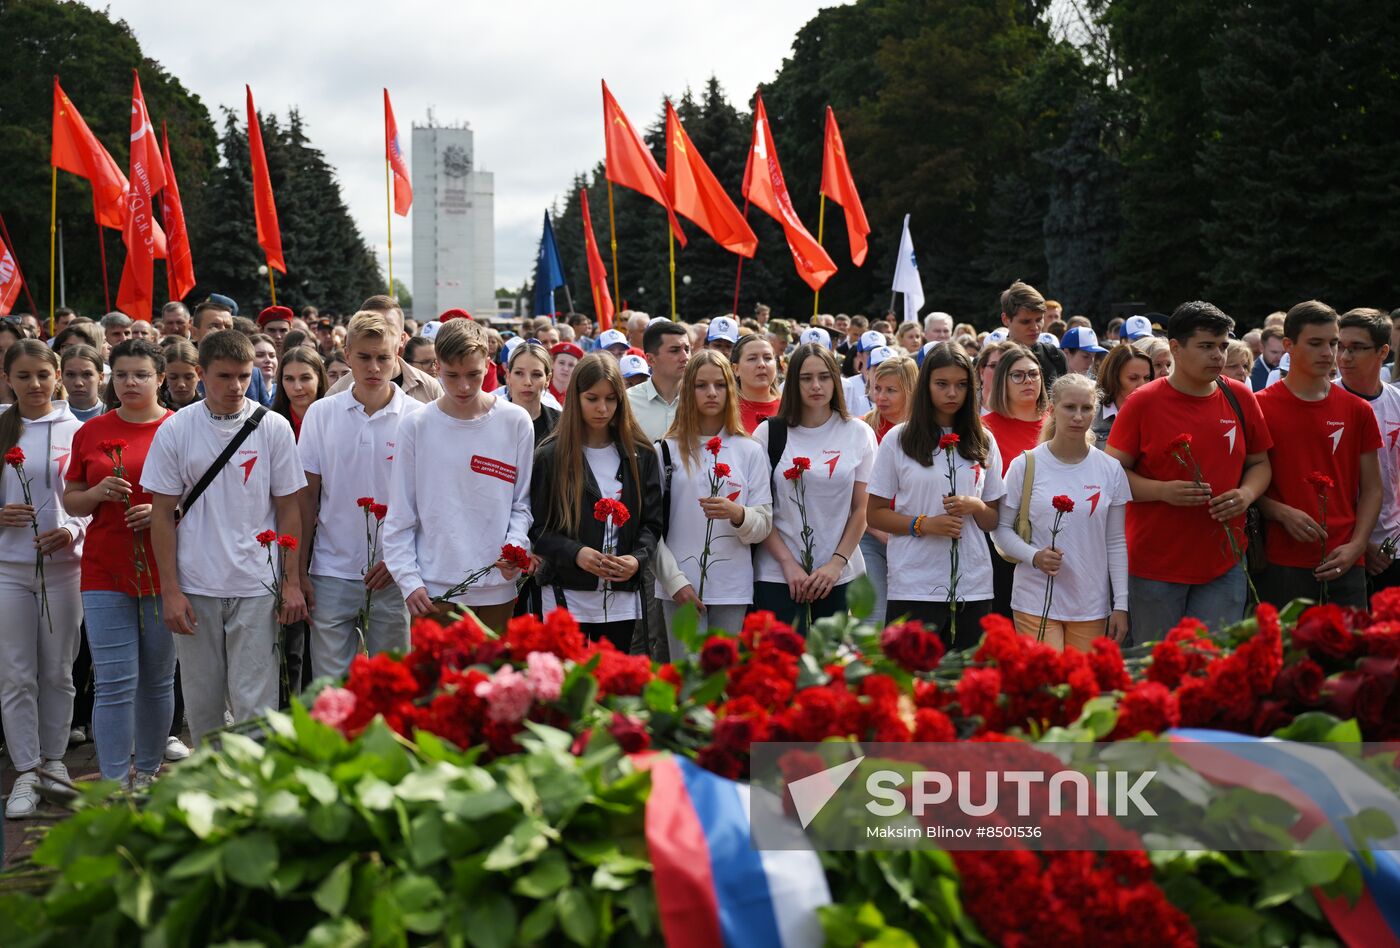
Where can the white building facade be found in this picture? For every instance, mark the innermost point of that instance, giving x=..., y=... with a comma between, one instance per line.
x=454, y=236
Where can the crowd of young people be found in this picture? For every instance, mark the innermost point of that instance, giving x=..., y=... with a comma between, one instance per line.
x=227, y=508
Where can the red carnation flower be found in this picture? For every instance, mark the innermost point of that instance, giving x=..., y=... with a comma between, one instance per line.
x=1181, y=442
x=718, y=652
x=287, y=542
x=365, y=502
x=713, y=445
x=15, y=457
x=112, y=446
x=912, y=647
x=1322, y=630
x=267, y=537
x=516, y=556
x=802, y=464
x=793, y=473
x=948, y=442
x=631, y=734
x=608, y=507
x=1062, y=504
x=721, y=470
x=1320, y=481
x=380, y=511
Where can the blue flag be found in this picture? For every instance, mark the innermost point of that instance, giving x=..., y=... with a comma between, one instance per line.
x=549, y=272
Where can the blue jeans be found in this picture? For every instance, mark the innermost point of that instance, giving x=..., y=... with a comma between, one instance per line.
x=134, y=671
x=877, y=568
x=1154, y=607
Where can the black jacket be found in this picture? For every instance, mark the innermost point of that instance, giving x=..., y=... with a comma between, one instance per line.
x=637, y=537
x=1052, y=362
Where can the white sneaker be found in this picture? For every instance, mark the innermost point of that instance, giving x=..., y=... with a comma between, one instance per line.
x=24, y=796
x=77, y=736
x=54, y=769
x=175, y=749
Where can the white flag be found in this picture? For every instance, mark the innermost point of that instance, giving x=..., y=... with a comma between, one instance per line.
x=906, y=276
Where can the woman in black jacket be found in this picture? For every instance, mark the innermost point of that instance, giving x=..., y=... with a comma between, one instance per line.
x=596, y=453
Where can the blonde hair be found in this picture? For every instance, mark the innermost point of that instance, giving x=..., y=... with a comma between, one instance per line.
x=1062, y=386
x=368, y=324
x=457, y=339
x=904, y=371
x=1238, y=347
x=685, y=428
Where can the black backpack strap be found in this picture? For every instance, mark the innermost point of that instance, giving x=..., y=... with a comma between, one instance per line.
x=777, y=444
x=1239, y=412
x=667, y=467
x=203, y=483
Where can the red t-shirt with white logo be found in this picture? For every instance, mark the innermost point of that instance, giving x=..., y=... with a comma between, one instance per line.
x=1183, y=544
x=1328, y=436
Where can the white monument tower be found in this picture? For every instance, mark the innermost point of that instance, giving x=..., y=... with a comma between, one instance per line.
x=454, y=248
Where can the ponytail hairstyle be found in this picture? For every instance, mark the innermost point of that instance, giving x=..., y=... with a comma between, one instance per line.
x=686, y=426
x=1065, y=384
x=11, y=424
x=566, y=501
x=904, y=371
x=136, y=349
x=921, y=435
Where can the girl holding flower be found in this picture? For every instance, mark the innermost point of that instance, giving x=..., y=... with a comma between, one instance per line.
x=596, y=453
x=1088, y=561
x=715, y=479
x=133, y=652
x=935, y=488
x=40, y=550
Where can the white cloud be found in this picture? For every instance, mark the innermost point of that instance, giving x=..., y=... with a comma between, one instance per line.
x=525, y=75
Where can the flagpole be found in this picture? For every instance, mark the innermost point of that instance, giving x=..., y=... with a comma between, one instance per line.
x=672, y=234
x=389, y=218
x=102, y=254
x=612, y=231
x=53, y=239
x=821, y=226
x=271, y=285
x=739, y=274
x=19, y=271
x=62, y=282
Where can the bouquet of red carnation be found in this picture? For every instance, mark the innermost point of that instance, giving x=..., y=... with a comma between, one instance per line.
x=15, y=459
x=612, y=514
x=794, y=474
x=113, y=448
x=1321, y=484
x=512, y=557
x=717, y=475
x=374, y=526
x=280, y=546
x=1062, y=505
x=948, y=444
x=1180, y=449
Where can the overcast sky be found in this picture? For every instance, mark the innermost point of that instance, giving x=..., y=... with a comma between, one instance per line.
x=524, y=73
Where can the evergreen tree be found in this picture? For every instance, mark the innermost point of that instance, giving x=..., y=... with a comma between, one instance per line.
x=1082, y=226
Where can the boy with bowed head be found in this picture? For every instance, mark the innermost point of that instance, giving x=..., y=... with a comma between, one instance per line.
x=1023, y=315
x=417, y=385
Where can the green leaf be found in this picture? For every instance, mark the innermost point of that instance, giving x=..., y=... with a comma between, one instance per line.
x=251, y=859
x=322, y=788
x=336, y=933
x=491, y=921
x=426, y=843
x=524, y=843
x=685, y=626
x=810, y=673
x=374, y=794
x=330, y=823
x=135, y=900
x=198, y=808
x=860, y=597
x=708, y=690
x=549, y=875
x=334, y=891
x=538, y=923
x=576, y=916
x=659, y=697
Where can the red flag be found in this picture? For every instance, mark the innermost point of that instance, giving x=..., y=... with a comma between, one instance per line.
x=597, y=273
x=629, y=160
x=75, y=149
x=765, y=188
x=147, y=173
x=696, y=193
x=264, y=208
x=403, y=188
x=838, y=185
x=179, y=269
x=10, y=280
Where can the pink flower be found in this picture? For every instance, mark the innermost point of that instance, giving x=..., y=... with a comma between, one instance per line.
x=546, y=675
x=507, y=694
x=333, y=706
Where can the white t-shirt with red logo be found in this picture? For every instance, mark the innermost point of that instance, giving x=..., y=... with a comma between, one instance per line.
x=920, y=568
x=460, y=490
x=353, y=454
x=1093, y=578
x=1386, y=407
x=842, y=452
x=217, y=552
x=729, y=574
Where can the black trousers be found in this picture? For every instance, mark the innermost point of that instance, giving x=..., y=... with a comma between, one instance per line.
x=937, y=616
x=1280, y=585
x=774, y=598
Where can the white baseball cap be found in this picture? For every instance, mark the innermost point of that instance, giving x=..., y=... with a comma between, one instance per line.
x=1049, y=339
x=722, y=327
x=1137, y=327
x=870, y=339
x=634, y=365
x=430, y=329
x=610, y=338
x=513, y=343
x=998, y=335
x=880, y=354
x=657, y=319
x=925, y=349
x=1081, y=338
x=817, y=335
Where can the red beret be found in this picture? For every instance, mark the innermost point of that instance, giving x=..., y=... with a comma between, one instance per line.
x=454, y=314
x=634, y=351
x=566, y=348
x=273, y=313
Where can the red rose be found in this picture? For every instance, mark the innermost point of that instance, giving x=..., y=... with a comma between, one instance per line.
x=948, y=442
x=267, y=537
x=721, y=470
x=1062, y=504
x=912, y=647
x=364, y=502
x=713, y=445
x=1322, y=631
x=1385, y=605
x=1383, y=638
x=718, y=652
x=631, y=735
x=1300, y=683
x=1319, y=481
x=718, y=760
x=802, y=464
x=287, y=542
x=380, y=511
x=15, y=457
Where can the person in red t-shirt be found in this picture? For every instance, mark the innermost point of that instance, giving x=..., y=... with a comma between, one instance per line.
x=1019, y=404
x=1318, y=529
x=1179, y=559
x=133, y=653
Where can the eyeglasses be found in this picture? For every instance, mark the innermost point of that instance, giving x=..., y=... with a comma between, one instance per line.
x=1024, y=375
x=1355, y=350
x=141, y=377
x=423, y=363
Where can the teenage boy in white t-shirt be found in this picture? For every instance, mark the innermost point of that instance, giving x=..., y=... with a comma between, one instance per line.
x=460, y=486
x=213, y=572
x=347, y=445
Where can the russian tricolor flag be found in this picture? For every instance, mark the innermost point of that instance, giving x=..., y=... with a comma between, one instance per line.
x=1325, y=788
x=712, y=886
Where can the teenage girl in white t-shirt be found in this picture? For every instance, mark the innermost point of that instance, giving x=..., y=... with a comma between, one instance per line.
x=838, y=451
x=1089, y=558
x=740, y=515
x=912, y=500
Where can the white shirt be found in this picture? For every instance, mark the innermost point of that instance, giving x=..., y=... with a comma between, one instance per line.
x=729, y=574
x=920, y=568
x=47, y=443
x=857, y=402
x=653, y=413
x=1386, y=406
x=353, y=453
x=217, y=554
x=588, y=605
x=842, y=452
x=1093, y=578
x=459, y=491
